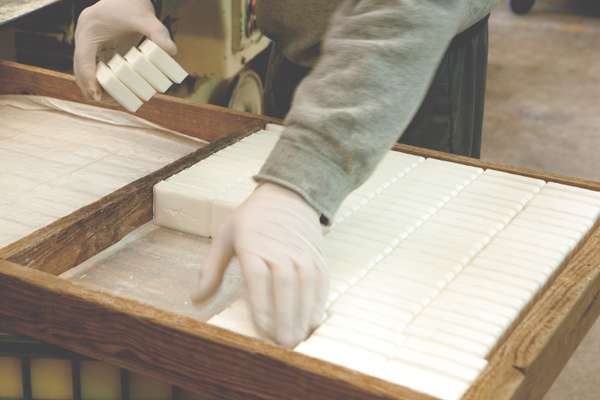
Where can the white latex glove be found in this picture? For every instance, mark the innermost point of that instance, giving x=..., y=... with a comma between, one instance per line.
x=106, y=21
x=277, y=237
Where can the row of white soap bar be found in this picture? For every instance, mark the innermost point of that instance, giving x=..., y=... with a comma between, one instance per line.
x=436, y=301
x=49, y=173
x=429, y=314
x=138, y=76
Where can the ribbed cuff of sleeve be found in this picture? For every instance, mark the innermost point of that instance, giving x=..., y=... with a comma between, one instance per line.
x=319, y=181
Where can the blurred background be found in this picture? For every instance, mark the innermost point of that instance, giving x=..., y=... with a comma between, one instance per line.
x=543, y=95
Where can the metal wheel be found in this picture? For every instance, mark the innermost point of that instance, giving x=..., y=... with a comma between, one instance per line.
x=521, y=6
x=247, y=96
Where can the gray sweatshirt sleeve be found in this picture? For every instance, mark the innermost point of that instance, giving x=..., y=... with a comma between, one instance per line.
x=378, y=59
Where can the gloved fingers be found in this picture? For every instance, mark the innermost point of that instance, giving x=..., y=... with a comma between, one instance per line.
x=219, y=256
x=154, y=30
x=259, y=291
x=321, y=293
x=84, y=66
x=286, y=294
x=308, y=278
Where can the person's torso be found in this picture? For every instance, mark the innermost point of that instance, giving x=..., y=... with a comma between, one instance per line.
x=296, y=26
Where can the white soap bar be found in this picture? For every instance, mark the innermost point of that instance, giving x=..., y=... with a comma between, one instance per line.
x=515, y=177
x=275, y=128
x=424, y=380
x=513, y=247
x=419, y=293
x=399, y=299
x=372, y=312
x=545, y=240
x=354, y=338
x=428, y=260
x=163, y=61
x=486, y=230
x=499, y=192
x=565, y=205
x=470, y=309
x=342, y=354
x=484, y=199
x=487, y=294
x=533, y=285
x=532, y=187
x=236, y=318
x=464, y=332
x=130, y=78
x=147, y=70
x=183, y=208
x=461, y=201
x=479, y=293
x=117, y=89
x=364, y=327
x=537, y=268
x=415, y=271
x=454, y=340
x=469, y=211
x=443, y=252
x=574, y=189
x=442, y=350
x=512, y=269
x=560, y=220
x=463, y=303
x=445, y=316
x=571, y=231
x=442, y=365
x=557, y=217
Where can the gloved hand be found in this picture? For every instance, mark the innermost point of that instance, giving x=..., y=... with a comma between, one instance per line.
x=108, y=20
x=277, y=237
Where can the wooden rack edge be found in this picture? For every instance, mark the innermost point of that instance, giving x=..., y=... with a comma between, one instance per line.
x=202, y=121
x=176, y=349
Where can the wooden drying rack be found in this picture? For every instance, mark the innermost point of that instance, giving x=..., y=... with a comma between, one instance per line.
x=224, y=365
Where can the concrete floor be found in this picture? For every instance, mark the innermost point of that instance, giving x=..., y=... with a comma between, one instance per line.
x=543, y=113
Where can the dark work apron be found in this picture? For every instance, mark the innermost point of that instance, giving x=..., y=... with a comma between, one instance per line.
x=450, y=118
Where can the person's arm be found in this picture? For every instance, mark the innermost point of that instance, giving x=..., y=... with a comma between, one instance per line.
x=378, y=60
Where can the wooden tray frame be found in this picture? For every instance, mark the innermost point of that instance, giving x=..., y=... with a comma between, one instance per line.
x=223, y=365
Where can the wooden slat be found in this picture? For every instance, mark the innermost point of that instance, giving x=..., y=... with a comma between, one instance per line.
x=71, y=240
x=175, y=349
x=203, y=121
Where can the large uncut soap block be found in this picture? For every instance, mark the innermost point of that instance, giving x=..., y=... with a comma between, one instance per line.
x=113, y=86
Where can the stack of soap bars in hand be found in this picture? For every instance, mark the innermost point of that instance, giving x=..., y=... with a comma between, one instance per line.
x=139, y=75
x=430, y=261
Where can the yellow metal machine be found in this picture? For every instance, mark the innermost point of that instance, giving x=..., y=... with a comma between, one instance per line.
x=217, y=40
